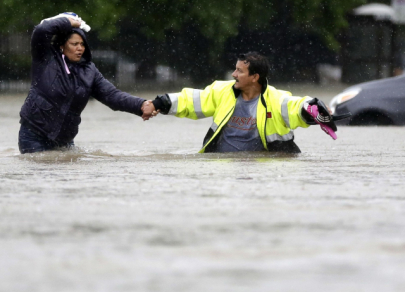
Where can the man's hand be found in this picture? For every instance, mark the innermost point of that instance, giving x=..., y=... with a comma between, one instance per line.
x=319, y=113
x=315, y=111
x=148, y=110
x=163, y=103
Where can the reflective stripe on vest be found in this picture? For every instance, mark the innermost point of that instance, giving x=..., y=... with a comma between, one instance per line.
x=197, y=103
x=174, y=98
x=277, y=137
x=284, y=112
x=214, y=127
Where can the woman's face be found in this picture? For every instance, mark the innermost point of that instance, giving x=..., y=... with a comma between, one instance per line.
x=74, y=48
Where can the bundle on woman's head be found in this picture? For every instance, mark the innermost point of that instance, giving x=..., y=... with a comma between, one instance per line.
x=74, y=16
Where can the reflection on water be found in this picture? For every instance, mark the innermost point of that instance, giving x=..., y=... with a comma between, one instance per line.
x=134, y=207
x=77, y=154
x=63, y=155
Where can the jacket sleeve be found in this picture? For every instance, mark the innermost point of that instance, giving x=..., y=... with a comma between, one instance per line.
x=193, y=103
x=105, y=92
x=290, y=109
x=42, y=36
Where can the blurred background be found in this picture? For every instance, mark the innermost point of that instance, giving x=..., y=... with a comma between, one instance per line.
x=148, y=43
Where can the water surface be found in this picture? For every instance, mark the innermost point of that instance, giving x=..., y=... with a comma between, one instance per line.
x=134, y=208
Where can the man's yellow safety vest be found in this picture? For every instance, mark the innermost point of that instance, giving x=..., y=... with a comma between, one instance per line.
x=278, y=113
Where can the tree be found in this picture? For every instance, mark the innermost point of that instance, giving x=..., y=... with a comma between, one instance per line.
x=186, y=30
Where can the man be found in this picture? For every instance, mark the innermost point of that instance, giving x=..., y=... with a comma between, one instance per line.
x=248, y=114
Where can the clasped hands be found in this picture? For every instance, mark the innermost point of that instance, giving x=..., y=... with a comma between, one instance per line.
x=148, y=110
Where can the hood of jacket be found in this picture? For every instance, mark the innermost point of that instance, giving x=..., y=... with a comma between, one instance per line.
x=86, y=57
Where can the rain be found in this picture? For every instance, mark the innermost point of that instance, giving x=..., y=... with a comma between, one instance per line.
x=133, y=206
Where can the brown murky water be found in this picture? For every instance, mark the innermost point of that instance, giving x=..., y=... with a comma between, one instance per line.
x=134, y=208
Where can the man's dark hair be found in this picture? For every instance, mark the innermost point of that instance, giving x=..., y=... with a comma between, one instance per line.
x=256, y=64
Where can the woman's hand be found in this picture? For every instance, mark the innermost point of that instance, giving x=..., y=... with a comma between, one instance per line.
x=148, y=110
x=74, y=19
x=74, y=22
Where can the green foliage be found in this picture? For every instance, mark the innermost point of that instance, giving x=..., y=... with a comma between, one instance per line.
x=324, y=17
x=217, y=20
x=213, y=21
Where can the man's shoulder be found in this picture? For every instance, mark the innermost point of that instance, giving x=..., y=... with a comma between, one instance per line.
x=223, y=84
x=274, y=92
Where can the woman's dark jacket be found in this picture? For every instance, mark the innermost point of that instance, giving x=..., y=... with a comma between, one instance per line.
x=56, y=98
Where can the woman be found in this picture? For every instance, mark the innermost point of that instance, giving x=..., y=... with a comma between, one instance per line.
x=63, y=79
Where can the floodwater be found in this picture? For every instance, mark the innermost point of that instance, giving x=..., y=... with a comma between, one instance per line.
x=135, y=208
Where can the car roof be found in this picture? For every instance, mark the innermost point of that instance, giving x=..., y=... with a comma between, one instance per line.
x=398, y=81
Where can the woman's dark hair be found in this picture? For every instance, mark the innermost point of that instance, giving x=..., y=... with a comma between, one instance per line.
x=61, y=39
x=257, y=64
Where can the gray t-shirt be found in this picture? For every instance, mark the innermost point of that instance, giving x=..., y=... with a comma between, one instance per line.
x=240, y=133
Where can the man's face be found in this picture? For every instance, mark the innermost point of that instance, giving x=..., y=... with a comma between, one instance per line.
x=242, y=77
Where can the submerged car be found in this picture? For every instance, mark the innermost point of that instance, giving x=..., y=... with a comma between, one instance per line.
x=379, y=102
